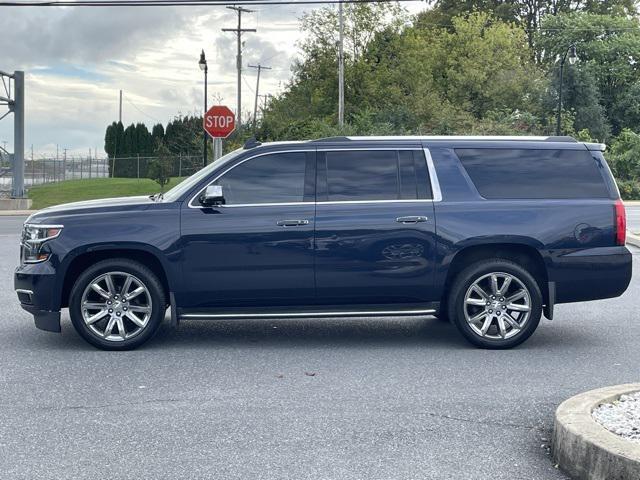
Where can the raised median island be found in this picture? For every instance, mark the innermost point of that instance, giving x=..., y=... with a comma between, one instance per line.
x=585, y=445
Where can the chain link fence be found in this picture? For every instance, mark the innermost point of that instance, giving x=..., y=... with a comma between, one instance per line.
x=52, y=170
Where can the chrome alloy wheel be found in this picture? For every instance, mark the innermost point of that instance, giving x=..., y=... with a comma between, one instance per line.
x=116, y=306
x=497, y=306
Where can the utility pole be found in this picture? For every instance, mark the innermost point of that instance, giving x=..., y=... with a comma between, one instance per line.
x=341, y=68
x=265, y=100
x=16, y=106
x=239, y=31
x=259, y=67
x=120, y=108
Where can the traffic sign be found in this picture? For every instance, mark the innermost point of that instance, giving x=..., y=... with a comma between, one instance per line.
x=219, y=121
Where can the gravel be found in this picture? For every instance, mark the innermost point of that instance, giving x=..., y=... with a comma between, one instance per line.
x=621, y=417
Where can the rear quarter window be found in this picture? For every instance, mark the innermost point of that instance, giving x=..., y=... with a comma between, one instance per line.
x=527, y=173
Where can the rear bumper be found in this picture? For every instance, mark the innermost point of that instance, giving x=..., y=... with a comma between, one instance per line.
x=591, y=274
x=35, y=285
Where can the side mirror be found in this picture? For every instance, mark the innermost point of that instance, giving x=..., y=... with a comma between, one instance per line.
x=212, y=195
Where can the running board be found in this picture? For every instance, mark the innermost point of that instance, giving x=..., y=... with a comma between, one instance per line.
x=348, y=313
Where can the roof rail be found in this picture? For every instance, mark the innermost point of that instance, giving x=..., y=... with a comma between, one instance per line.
x=332, y=139
x=476, y=138
x=563, y=138
x=595, y=147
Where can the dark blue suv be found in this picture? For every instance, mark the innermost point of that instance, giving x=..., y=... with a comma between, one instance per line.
x=488, y=232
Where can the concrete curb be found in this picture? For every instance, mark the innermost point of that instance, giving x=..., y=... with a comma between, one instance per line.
x=584, y=449
x=14, y=213
x=633, y=239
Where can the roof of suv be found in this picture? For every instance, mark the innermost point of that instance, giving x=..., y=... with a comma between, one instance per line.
x=433, y=138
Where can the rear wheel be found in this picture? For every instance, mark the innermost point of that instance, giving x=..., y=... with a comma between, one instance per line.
x=495, y=304
x=117, y=304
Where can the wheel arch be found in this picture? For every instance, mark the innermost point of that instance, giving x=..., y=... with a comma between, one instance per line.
x=525, y=254
x=89, y=256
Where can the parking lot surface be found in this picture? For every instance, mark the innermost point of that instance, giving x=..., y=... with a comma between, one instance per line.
x=373, y=398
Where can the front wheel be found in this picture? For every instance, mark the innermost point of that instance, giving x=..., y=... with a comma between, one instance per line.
x=117, y=304
x=495, y=304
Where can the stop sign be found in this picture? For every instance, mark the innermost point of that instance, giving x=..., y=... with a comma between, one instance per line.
x=219, y=121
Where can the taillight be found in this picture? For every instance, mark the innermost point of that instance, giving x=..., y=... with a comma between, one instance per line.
x=621, y=223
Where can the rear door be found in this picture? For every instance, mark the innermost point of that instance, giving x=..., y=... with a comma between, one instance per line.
x=375, y=227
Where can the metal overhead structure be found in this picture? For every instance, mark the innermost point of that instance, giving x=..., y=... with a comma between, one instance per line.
x=13, y=98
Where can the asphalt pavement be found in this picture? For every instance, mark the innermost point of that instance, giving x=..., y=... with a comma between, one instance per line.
x=633, y=218
x=323, y=399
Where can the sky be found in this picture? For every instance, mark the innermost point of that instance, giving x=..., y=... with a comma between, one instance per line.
x=77, y=59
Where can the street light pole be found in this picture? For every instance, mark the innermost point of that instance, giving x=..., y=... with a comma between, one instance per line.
x=573, y=58
x=203, y=66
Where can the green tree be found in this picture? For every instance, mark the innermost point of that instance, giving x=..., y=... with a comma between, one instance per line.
x=528, y=14
x=483, y=65
x=581, y=103
x=161, y=167
x=608, y=48
x=157, y=133
x=413, y=80
x=624, y=156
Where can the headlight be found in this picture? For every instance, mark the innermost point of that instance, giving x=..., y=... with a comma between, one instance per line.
x=33, y=239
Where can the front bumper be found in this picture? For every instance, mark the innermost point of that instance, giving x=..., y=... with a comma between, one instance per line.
x=37, y=289
x=591, y=274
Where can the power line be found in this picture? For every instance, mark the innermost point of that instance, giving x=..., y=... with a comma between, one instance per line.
x=141, y=111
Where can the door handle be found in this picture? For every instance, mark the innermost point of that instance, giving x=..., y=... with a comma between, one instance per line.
x=411, y=219
x=292, y=223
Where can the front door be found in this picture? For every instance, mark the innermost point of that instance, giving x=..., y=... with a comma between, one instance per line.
x=257, y=248
x=375, y=228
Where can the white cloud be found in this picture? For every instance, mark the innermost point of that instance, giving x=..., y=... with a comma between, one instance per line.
x=76, y=60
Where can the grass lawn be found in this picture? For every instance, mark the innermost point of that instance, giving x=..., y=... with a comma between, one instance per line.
x=92, y=188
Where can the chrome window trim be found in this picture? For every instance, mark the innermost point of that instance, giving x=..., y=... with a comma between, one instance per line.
x=433, y=179
x=336, y=202
x=200, y=207
x=436, y=193
x=475, y=138
x=364, y=149
x=283, y=204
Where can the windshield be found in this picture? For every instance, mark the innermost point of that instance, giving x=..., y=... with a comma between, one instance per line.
x=188, y=183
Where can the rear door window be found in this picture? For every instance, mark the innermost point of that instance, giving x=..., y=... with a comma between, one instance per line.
x=534, y=174
x=362, y=175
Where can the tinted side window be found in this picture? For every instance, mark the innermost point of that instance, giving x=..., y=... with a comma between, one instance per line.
x=373, y=175
x=520, y=173
x=274, y=178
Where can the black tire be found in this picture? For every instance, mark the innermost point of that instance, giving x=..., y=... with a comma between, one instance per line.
x=142, y=274
x=463, y=282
